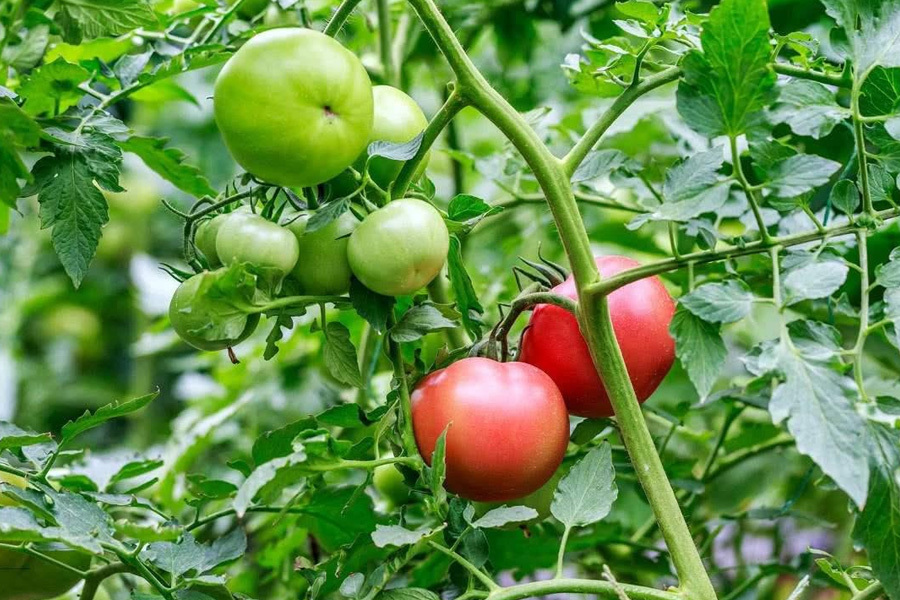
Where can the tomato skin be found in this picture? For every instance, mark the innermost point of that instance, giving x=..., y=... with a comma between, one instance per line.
x=205, y=239
x=323, y=268
x=398, y=119
x=399, y=248
x=299, y=124
x=508, y=427
x=640, y=312
x=252, y=239
x=189, y=316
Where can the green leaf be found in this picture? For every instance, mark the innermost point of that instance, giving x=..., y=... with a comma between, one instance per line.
x=373, y=307
x=438, y=469
x=814, y=280
x=395, y=535
x=279, y=442
x=878, y=526
x=340, y=355
x=328, y=213
x=699, y=347
x=845, y=196
x=419, y=321
x=89, y=420
x=91, y=19
x=587, y=492
x=17, y=129
x=693, y=187
x=504, y=515
x=396, y=151
x=53, y=87
x=817, y=404
x=799, y=174
x=726, y=86
x=169, y=164
x=642, y=10
x=873, y=31
x=463, y=290
x=12, y=437
x=266, y=474
x=725, y=302
x=809, y=108
x=71, y=203
x=464, y=208
x=187, y=555
x=29, y=52
x=338, y=515
x=601, y=162
x=407, y=594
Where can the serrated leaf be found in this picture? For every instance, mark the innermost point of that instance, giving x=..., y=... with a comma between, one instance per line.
x=395, y=151
x=12, y=437
x=464, y=208
x=53, y=87
x=328, y=213
x=693, y=187
x=89, y=420
x=371, y=306
x=814, y=280
x=601, y=162
x=407, y=594
x=817, y=404
x=340, y=355
x=726, y=86
x=504, y=515
x=845, y=196
x=799, y=174
x=724, y=302
x=91, y=19
x=873, y=31
x=395, y=535
x=187, y=555
x=419, y=321
x=463, y=291
x=438, y=469
x=587, y=492
x=169, y=164
x=263, y=475
x=699, y=347
x=809, y=108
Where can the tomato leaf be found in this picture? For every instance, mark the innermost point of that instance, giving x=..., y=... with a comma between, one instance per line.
x=12, y=437
x=726, y=86
x=699, y=347
x=394, y=151
x=187, y=555
x=371, y=306
x=89, y=420
x=724, y=302
x=91, y=19
x=845, y=196
x=809, y=108
x=504, y=515
x=395, y=535
x=814, y=280
x=466, y=298
x=340, y=355
x=799, y=174
x=419, y=321
x=169, y=164
x=587, y=492
x=872, y=31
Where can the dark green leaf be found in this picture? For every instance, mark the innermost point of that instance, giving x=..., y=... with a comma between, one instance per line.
x=169, y=163
x=340, y=355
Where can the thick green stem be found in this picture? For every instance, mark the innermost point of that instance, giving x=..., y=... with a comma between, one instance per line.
x=863, y=312
x=552, y=176
x=478, y=573
x=604, y=589
x=748, y=190
x=97, y=576
x=870, y=593
x=384, y=43
x=826, y=78
x=859, y=135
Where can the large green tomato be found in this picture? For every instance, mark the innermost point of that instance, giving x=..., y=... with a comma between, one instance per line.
x=323, y=268
x=400, y=248
x=294, y=106
x=26, y=577
x=247, y=238
x=192, y=315
x=398, y=119
x=205, y=239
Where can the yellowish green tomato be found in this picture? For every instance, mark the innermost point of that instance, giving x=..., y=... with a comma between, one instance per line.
x=323, y=268
x=26, y=577
x=390, y=485
x=400, y=248
x=294, y=106
x=277, y=17
x=194, y=317
x=398, y=119
x=248, y=238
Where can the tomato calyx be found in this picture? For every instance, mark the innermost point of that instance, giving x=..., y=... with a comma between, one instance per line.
x=534, y=295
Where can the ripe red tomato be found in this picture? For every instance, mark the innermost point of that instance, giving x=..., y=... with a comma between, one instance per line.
x=641, y=313
x=508, y=427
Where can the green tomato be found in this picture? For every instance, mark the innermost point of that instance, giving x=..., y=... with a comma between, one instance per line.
x=247, y=238
x=205, y=239
x=390, y=484
x=323, y=268
x=194, y=317
x=398, y=119
x=278, y=17
x=400, y=248
x=294, y=106
x=27, y=577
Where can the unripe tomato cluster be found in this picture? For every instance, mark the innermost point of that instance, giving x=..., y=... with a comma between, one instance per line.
x=301, y=125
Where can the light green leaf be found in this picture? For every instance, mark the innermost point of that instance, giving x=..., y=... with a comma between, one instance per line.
x=809, y=108
x=170, y=164
x=814, y=280
x=587, y=492
x=503, y=515
x=845, y=196
x=395, y=535
x=699, y=347
x=419, y=321
x=340, y=355
x=725, y=302
x=799, y=174
x=90, y=19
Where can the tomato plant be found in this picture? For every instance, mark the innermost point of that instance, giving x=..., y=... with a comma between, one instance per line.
x=381, y=221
